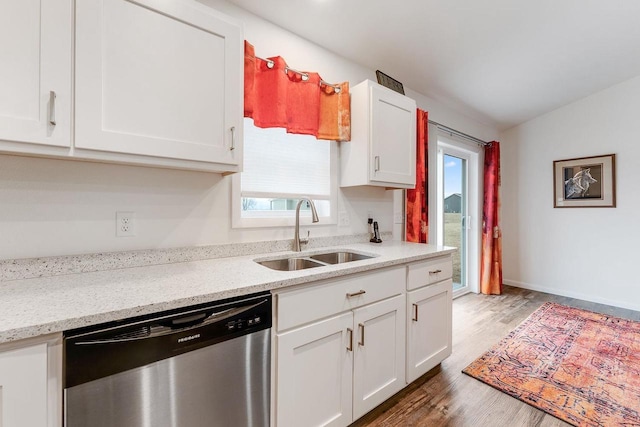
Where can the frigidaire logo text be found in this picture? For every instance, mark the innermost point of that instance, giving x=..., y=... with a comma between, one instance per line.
x=189, y=338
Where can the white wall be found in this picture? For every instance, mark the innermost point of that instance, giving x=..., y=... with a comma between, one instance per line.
x=58, y=207
x=588, y=253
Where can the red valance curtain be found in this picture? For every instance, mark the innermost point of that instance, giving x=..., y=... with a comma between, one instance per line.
x=417, y=228
x=301, y=102
x=491, y=257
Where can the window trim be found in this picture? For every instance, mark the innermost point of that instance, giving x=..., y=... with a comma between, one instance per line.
x=237, y=221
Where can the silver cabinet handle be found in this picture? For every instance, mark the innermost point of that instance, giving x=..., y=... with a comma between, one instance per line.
x=52, y=108
x=350, y=346
x=377, y=164
x=233, y=138
x=361, y=327
x=355, y=294
x=415, y=313
x=435, y=271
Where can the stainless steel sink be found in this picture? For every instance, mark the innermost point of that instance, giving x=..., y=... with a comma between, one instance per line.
x=339, y=257
x=290, y=264
x=317, y=260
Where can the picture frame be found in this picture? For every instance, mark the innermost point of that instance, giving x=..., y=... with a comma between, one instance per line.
x=585, y=182
x=390, y=82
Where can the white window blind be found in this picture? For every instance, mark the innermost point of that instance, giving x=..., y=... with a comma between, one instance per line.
x=280, y=168
x=280, y=164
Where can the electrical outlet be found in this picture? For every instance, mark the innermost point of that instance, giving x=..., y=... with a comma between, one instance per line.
x=398, y=218
x=125, y=224
x=343, y=219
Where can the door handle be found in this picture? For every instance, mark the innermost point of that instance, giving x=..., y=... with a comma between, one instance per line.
x=415, y=312
x=355, y=294
x=52, y=108
x=350, y=346
x=233, y=138
x=361, y=327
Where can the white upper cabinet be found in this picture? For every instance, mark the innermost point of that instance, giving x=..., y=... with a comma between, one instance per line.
x=161, y=79
x=382, y=150
x=35, y=74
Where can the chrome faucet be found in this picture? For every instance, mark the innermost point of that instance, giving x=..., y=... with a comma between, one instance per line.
x=297, y=241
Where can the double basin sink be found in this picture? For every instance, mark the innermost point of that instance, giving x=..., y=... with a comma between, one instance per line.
x=318, y=260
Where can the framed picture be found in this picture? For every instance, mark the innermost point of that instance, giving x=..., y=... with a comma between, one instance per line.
x=585, y=182
x=389, y=82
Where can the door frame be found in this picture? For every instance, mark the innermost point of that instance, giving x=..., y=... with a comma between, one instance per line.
x=475, y=158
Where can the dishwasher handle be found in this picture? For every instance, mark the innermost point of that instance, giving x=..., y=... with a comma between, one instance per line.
x=174, y=325
x=183, y=322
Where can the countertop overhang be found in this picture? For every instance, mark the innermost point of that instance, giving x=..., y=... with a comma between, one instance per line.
x=38, y=306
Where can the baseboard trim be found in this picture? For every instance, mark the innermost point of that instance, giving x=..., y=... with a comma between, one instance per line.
x=570, y=294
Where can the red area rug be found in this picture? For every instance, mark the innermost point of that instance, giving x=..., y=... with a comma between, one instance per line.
x=576, y=365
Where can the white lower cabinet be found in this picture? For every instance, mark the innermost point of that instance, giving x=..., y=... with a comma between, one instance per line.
x=314, y=368
x=333, y=370
x=344, y=346
x=30, y=383
x=429, y=315
x=429, y=328
x=379, y=365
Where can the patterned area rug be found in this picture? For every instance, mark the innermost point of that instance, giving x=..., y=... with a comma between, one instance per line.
x=579, y=366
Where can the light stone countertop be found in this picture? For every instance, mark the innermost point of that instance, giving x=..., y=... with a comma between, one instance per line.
x=38, y=306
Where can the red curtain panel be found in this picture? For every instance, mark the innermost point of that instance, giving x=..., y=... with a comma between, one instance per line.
x=417, y=228
x=249, y=78
x=491, y=257
x=270, y=93
x=300, y=102
x=303, y=103
x=335, y=113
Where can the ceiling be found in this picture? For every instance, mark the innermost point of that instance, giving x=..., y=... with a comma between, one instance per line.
x=501, y=61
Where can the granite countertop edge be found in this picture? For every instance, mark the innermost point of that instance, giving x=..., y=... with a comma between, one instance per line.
x=40, y=306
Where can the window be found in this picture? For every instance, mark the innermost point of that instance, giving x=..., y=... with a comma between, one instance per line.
x=279, y=169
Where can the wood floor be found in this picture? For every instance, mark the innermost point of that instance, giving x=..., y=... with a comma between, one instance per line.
x=447, y=397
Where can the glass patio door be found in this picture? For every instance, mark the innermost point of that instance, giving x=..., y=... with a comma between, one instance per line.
x=453, y=210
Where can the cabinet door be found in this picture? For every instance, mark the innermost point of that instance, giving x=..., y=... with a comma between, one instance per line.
x=158, y=78
x=23, y=387
x=429, y=328
x=393, y=137
x=313, y=374
x=379, y=358
x=35, y=71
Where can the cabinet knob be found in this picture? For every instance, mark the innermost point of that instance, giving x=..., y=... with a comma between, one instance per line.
x=435, y=271
x=350, y=332
x=415, y=313
x=377, y=164
x=361, y=342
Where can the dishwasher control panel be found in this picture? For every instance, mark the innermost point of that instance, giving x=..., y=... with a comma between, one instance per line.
x=243, y=323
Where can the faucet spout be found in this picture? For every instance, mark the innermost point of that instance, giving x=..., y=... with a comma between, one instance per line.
x=314, y=218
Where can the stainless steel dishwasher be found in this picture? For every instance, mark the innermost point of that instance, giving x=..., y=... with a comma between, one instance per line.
x=203, y=366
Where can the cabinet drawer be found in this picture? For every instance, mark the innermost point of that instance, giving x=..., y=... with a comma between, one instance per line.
x=429, y=271
x=334, y=296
